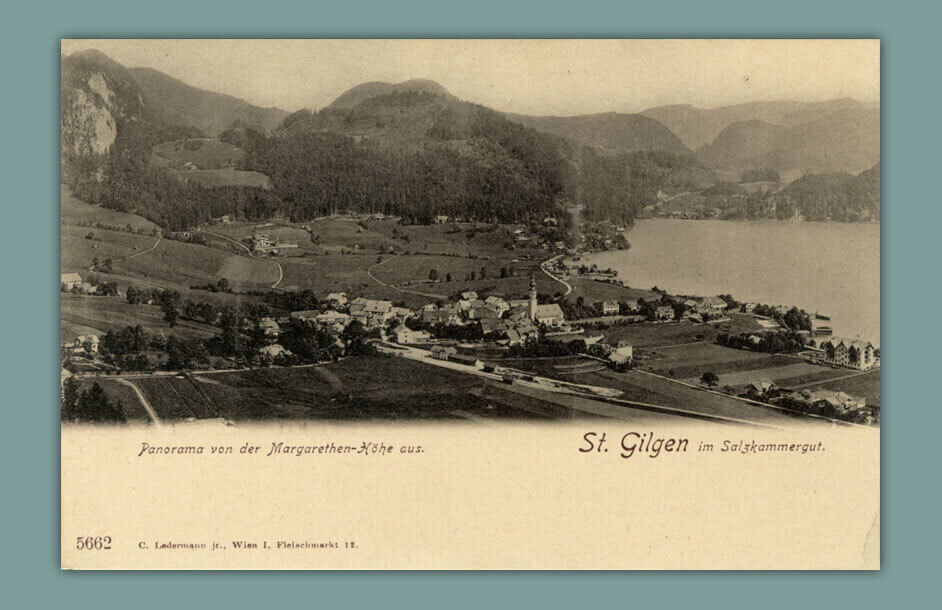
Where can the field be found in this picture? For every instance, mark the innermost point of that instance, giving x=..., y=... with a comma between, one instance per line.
x=205, y=153
x=352, y=389
x=97, y=315
x=75, y=212
x=674, y=333
x=637, y=386
x=223, y=177
x=242, y=271
x=734, y=367
x=115, y=390
x=593, y=291
x=866, y=386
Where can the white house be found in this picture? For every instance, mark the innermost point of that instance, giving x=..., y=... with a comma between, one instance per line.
x=337, y=299
x=408, y=336
x=609, y=307
x=855, y=354
x=269, y=327
x=273, y=351
x=71, y=280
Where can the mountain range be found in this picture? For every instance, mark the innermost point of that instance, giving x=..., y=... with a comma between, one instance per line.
x=414, y=149
x=211, y=113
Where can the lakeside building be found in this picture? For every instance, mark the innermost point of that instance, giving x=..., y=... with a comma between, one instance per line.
x=855, y=354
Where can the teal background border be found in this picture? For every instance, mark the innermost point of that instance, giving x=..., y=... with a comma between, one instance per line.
x=910, y=342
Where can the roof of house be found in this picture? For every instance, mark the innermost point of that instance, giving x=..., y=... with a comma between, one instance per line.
x=490, y=325
x=550, y=310
x=71, y=277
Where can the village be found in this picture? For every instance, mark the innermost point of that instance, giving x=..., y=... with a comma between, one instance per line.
x=552, y=342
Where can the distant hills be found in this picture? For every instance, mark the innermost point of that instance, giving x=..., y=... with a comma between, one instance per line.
x=836, y=135
x=609, y=131
x=211, y=113
x=414, y=149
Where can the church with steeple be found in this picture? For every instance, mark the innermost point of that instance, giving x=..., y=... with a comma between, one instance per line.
x=549, y=314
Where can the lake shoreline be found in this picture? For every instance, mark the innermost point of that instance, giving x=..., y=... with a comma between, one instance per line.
x=826, y=267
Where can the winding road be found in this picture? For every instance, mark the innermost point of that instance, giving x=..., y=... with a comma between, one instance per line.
x=553, y=277
x=281, y=272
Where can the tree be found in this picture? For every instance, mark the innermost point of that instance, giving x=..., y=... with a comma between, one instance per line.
x=448, y=277
x=710, y=379
x=171, y=313
x=92, y=405
x=433, y=275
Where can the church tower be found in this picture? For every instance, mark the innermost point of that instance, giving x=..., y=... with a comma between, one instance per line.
x=532, y=299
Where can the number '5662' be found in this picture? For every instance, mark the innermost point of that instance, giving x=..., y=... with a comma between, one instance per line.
x=93, y=543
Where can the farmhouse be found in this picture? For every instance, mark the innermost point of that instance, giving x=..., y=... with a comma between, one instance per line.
x=837, y=400
x=71, y=280
x=609, y=307
x=85, y=344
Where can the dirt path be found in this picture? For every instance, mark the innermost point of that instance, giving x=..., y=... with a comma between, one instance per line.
x=553, y=277
x=127, y=258
x=281, y=271
x=143, y=399
x=369, y=272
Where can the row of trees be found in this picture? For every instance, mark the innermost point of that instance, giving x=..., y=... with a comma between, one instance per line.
x=782, y=342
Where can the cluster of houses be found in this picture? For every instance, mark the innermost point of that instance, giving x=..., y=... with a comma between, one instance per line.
x=839, y=403
x=513, y=321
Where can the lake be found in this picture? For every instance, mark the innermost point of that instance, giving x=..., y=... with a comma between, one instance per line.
x=832, y=268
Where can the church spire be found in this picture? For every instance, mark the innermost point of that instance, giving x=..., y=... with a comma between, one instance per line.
x=532, y=299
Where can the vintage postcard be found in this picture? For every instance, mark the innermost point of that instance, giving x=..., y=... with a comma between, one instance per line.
x=470, y=304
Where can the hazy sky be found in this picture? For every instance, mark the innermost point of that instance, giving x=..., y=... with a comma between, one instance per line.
x=561, y=77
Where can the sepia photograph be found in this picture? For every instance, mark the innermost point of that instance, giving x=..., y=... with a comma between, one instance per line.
x=470, y=303
x=470, y=231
